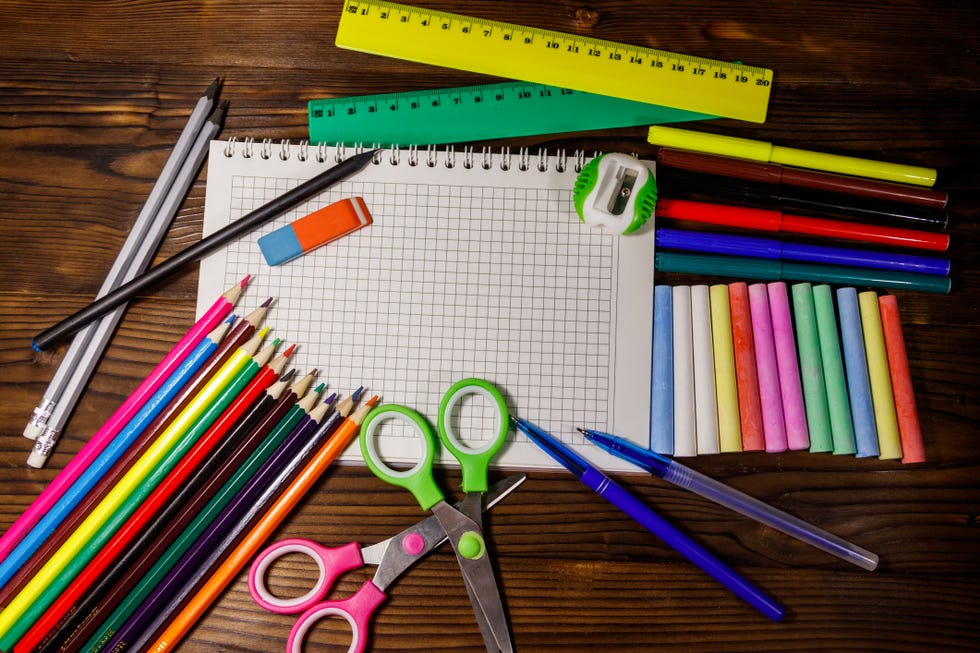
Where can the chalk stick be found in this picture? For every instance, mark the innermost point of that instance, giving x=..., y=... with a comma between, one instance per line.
x=662, y=386
x=773, y=423
x=314, y=230
x=856, y=368
x=811, y=369
x=909, y=429
x=838, y=402
x=746, y=375
x=685, y=437
x=705, y=399
x=790, y=387
x=882, y=398
x=726, y=385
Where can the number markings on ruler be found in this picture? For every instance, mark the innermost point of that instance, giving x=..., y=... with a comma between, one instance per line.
x=548, y=57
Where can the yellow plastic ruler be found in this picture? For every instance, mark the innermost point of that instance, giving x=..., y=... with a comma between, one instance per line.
x=726, y=89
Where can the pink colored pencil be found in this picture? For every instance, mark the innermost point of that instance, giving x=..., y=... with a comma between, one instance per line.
x=909, y=430
x=221, y=307
x=773, y=423
x=747, y=377
x=790, y=385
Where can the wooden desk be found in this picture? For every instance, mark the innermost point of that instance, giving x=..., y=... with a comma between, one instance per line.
x=93, y=97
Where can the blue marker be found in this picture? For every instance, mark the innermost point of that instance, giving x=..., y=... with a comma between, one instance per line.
x=662, y=387
x=773, y=249
x=856, y=368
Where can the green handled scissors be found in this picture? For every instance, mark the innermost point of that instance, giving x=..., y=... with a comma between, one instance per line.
x=463, y=526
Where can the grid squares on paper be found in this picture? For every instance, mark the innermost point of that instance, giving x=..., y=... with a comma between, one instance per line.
x=450, y=281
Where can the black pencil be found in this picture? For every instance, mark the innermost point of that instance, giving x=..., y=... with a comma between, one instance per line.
x=202, y=248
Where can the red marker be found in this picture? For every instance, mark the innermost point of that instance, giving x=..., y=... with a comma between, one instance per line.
x=772, y=220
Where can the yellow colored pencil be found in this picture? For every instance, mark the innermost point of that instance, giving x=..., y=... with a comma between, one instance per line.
x=726, y=388
x=78, y=540
x=882, y=397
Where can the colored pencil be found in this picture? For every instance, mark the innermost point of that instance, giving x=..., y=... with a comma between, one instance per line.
x=38, y=544
x=909, y=429
x=66, y=614
x=136, y=251
x=856, y=368
x=177, y=624
x=214, y=315
x=235, y=512
x=685, y=426
x=726, y=388
x=145, y=474
x=811, y=369
x=203, y=247
x=882, y=397
x=773, y=422
x=112, y=589
x=130, y=445
x=662, y=390
x=790, y=388
x=705, y=399
x=749, y=404
x=838, y=401
x=230, y=493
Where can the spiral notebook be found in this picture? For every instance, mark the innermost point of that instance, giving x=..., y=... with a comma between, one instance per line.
x=476, y=265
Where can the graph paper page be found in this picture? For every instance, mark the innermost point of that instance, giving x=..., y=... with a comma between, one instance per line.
x=465, y=272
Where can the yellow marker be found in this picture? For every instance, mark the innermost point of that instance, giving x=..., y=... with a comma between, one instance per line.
x=744, y=148
x=630, y=72
x=726, y=388
x=882, y=397
x=79, y=539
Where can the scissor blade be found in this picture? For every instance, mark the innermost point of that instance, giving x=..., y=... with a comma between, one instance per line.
x=393, y=565
x=478, y=574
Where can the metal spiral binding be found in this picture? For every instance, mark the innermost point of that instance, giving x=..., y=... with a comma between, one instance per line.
x=414, y=155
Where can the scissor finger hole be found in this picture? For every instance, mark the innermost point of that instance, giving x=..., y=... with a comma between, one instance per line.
x=468, y=414
x=327, y=629
x=289, y=567
x=390, y=432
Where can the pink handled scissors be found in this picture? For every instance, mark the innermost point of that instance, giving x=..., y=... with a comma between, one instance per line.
x=393, y=557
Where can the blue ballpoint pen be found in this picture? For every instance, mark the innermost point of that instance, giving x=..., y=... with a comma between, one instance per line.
x=685, y=477
x=643, y=515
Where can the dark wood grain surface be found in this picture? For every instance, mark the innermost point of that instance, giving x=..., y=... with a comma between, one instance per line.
x=94, y=94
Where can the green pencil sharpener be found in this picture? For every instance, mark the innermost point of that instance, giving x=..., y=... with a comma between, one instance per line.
x=616, y=193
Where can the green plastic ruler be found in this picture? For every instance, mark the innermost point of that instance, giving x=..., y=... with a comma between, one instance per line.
x=476, y=113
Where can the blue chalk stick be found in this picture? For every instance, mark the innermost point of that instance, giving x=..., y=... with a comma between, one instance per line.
x=662, y=386
x=856, y=368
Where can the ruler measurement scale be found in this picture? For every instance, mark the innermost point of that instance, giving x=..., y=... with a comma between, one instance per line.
x=587, y=64
x=472, y=113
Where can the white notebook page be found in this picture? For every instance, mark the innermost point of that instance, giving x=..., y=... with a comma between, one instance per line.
x=465, y=272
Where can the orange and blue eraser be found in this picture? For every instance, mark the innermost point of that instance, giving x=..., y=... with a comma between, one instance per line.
x=314, y=230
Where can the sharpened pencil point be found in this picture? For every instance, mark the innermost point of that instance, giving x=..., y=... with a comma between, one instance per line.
x=372, y=401
x=213, y=89
x=244, y=282
x=267, y=303
x=288, y=376
x=330, y=399
x=357, y=393
x=289, y=351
